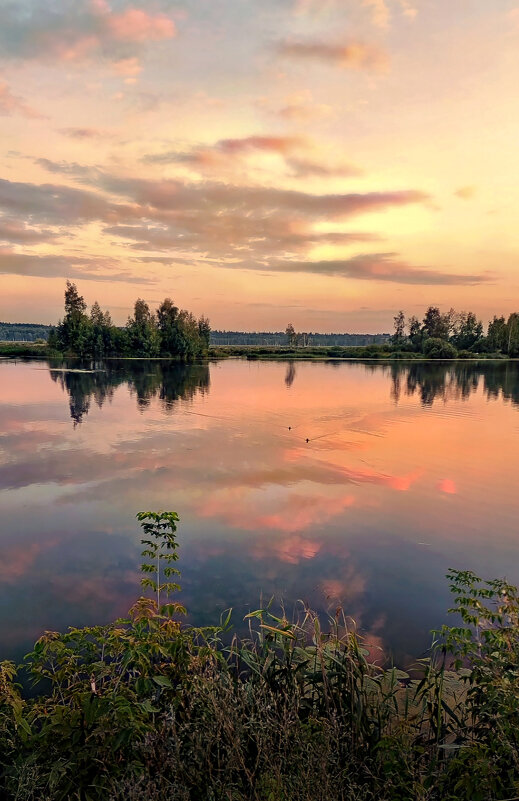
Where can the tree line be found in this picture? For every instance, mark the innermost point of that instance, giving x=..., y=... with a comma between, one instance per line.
x=23, y=332
x=449, y=334
x=283, y=338
x=169, y=332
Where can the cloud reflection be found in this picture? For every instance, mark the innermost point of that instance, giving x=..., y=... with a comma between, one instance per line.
x=337, y=520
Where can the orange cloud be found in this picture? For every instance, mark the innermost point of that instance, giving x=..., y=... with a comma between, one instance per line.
x=275, y=144
x=380, y=12
x=218, y=154
x=304, y=112
x=407, y=9
x=466, y=192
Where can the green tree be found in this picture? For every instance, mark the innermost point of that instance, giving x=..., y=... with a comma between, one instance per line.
x=399, y=326
x=74, y=332
x=468, y=330
x=143, y=335
x=436, y=324
x=512, y=335
x=291, y=334
x=415, y=332
x=204, y=331
x=435, y=348
x=167, y=316
x=497, y=334
x=189, y=344
x=74, y=302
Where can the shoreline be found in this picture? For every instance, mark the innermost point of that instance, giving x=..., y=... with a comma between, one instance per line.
x=254, y=353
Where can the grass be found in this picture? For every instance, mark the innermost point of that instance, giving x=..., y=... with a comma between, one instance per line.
x=25, y=349
x=325, y=352
x=148, y=708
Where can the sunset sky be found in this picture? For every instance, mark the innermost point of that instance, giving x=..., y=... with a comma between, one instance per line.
x=324, y=162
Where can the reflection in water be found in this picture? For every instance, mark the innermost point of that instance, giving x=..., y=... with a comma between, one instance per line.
x=360, y=486
x=446, y=381
x=168, y=381
x=290, y=374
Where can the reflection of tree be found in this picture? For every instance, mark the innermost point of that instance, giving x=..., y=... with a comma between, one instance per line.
x=290, y=374
x=168, y=381
x=436, y=381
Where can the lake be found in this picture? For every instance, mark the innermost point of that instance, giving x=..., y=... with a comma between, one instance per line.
x=409, y=469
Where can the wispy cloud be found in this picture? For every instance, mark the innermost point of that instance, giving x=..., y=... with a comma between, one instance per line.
x=20, y=233
x=12, y=104
x=353, y=55
x=47, y=266
x=306, y=168
x=380, y=267
x=466, y=192
x=224, y=149
x=85, y=133
x=380, y=12
x=199, y=219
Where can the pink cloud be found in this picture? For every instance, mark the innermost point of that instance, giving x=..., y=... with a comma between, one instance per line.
x=290, y=550
x=11, y=104
x=136, y=25
x=275, y=144
x=17, y=560
x=448, y=486
x=77, y=34
x=294, y=514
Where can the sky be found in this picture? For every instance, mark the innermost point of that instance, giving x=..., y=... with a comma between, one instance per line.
x=320, y=162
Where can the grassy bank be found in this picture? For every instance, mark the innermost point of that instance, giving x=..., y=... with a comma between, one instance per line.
x=381, y=352
x=25, y=349
x=252, y=352
x=149, y=708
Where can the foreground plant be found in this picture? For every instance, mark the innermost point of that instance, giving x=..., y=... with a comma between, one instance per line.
x=152, y=708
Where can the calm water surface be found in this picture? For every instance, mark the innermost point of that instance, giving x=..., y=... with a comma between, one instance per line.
x=409, y=469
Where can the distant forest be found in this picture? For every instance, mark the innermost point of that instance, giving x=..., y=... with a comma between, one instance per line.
x=278, y=338
x=28, y=332
x=23, y=332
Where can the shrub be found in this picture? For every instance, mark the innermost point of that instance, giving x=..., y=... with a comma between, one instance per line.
x=435, y=348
